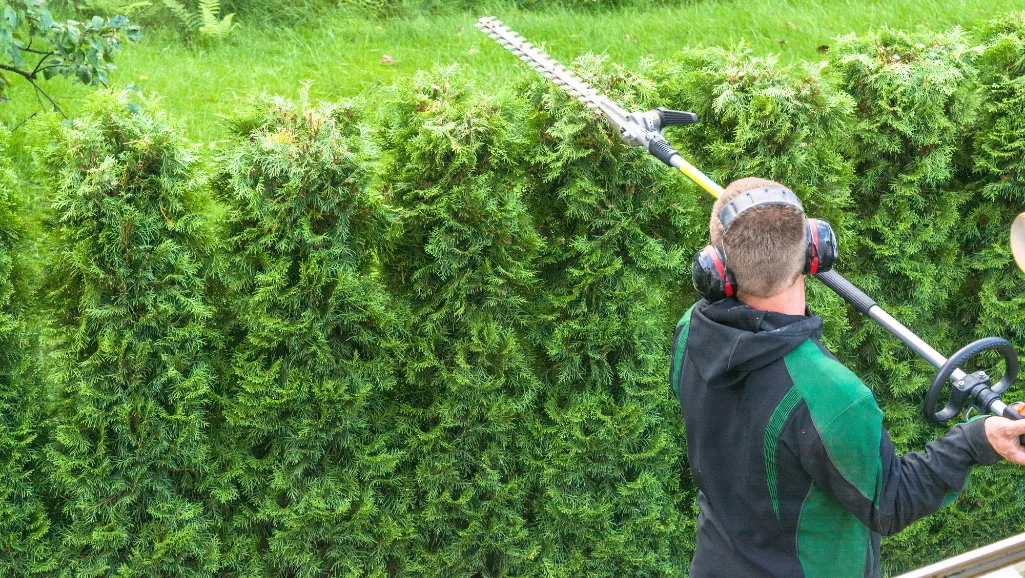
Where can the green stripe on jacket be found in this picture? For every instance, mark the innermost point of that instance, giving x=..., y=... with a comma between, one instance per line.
x=779, y=417
x=674, y=373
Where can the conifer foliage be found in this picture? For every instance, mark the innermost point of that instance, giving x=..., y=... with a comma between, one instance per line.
x=997, y=170
x=129, y=458
x=607, y=441
x=915, y=101
x=24, y=524
x=462, y=263
x=758, y=117
x=441, y=347
x=306, y=444
x=999, y=150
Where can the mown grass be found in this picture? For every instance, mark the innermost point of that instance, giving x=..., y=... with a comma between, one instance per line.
x=342, y=53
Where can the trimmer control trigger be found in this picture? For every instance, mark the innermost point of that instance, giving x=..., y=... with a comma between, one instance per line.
x=675, y=117
x=1018, y=407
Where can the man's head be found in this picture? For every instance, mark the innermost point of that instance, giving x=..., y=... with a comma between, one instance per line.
x=765, y=247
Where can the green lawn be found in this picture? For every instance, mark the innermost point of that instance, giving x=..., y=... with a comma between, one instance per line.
x=342, y=54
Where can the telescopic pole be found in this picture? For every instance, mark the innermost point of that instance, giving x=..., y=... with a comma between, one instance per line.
x=862, y=303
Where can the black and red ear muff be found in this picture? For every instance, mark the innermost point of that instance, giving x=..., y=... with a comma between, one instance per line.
x=709, y=273
x=712, y=280
x=822, y=249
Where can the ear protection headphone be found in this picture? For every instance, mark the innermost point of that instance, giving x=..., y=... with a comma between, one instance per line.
x=709, y=273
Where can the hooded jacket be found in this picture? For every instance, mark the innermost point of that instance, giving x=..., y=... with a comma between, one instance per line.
x=796, y=474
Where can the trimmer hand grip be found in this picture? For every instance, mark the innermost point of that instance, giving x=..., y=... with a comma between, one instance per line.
x=668, y=117
x=660, y=148
x=973, y=388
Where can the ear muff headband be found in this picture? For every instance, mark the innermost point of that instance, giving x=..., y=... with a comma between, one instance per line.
x=756, y=197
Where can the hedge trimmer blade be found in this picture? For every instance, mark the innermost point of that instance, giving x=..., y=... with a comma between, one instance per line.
x=551, y=69
x=643, y=129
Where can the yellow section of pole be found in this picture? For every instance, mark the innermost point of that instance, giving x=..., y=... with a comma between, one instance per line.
x=699, y=177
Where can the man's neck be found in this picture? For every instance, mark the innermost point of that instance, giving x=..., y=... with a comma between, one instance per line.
x=790, y=301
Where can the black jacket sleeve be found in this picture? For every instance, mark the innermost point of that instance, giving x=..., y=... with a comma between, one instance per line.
x=886, y=492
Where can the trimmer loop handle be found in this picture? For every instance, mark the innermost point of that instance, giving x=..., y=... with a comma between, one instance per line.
x=973, y=388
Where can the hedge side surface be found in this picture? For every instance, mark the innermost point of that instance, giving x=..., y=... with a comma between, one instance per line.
x=462, y=262
x=991, y=301
x=608, y=445
x=25, y=547
x=306, y=449
x=128, y=345
x=997, y=172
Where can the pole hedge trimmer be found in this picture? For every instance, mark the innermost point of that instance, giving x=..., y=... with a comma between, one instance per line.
x=644, y=129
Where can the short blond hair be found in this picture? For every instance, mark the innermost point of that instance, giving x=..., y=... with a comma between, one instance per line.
x=765, y=248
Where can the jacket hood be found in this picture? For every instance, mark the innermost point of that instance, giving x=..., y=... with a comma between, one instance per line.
x=727, y=340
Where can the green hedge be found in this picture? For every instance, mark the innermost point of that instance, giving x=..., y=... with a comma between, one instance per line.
x=25, y=537
x=305, y=442
x=440, y=346
x=461, y=262
x=128, y=346
x=608, y=442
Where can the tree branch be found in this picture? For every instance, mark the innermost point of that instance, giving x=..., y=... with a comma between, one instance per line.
x=25, y=120
x=45, y=68
x=29, y=49
x=48, y=97
x=40, y=63
x=39, y=100
x=16, y=70
x=30, y=77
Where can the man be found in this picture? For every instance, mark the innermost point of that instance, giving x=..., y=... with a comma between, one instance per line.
x=797, y=475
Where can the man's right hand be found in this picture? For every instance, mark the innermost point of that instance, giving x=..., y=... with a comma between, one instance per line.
x=1004, y=435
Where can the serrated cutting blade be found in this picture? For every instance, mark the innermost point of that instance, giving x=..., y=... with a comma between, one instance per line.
x=551, y=69
x=631, y=127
